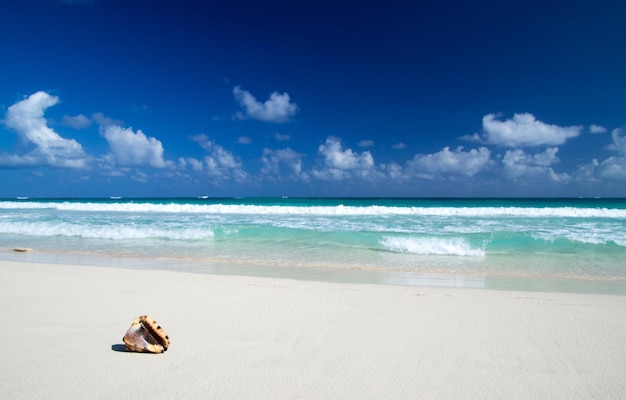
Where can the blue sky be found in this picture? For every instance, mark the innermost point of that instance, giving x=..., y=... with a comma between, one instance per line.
x=301, y=98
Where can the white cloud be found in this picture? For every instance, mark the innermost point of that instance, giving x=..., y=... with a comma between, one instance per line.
x=587, y=172
x=341, y=164
x=519, y=164
x=26, y=117
x=196, y=165
x=336, y=157
x=524, y=130
x=224, y=158
x=278, y=108
x=619, y=142
x=222, y=164
x=277, y=163
x=219, y=163
x=182, y=163
x=398, y=146
x=613, y=168
x=203, y=141
x=140, y=176
x=244, y=140
x=128, y=148
x=77, y=121
x=105, y=121
x=281, y=138
x=366, y=143
x=446, y=162
x=394, y=170
x=596, y=129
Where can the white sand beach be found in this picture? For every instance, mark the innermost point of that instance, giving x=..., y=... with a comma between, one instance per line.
x=237, y=337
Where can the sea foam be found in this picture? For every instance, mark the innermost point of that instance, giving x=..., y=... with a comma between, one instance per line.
x=339, y=210
x=431, y=246
x=110, y=231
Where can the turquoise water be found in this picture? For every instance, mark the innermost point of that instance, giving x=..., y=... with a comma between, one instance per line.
x=514, y=238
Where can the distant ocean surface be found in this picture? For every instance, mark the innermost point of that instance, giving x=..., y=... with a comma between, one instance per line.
x=397, y=239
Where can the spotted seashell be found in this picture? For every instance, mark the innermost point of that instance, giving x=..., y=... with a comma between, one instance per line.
x=146, y=336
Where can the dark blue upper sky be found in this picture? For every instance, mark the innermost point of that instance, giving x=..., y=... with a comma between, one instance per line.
x=301, y=98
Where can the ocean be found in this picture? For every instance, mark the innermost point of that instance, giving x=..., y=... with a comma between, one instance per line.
x=544, y=244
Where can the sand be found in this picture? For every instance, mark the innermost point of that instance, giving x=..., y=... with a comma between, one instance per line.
x=237, y=337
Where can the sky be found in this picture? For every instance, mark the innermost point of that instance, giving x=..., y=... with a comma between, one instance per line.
x=442, y=98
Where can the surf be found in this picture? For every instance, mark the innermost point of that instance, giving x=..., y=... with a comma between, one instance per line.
x=313, y=210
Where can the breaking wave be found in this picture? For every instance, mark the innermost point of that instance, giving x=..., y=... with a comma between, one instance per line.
x=431, y=246
x=338, y=210
x=111, y=231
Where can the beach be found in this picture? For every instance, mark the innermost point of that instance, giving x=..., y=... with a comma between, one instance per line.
x=240, y=337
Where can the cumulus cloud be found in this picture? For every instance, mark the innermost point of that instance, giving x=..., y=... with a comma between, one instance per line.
x=336, y=157
x=283, y=162
x=202, y=140
x=128, y=148
x=220, y=163
x=596, y=129
x=447, y=162
x=366, y=143
x=77, y=121
x=278, y=108
x=398, y=146
x=613, y=168
x=223, y=164
x=244, y=140
x=105, y=121
x=586, y=173
x=26, y=117
x=394, y=170
x=619, y=142
x=523, y=130
x=340, y=164
x=281, y=138
x=517, y=164
x=224, y=158
x=196, y=165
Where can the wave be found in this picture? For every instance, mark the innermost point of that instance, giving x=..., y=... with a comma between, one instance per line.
x=431, y=246
x=591, y=237
x=113, y=231
x=339, y=210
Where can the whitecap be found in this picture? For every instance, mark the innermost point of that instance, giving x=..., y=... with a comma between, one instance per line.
x=431, y=246
x=339, y=210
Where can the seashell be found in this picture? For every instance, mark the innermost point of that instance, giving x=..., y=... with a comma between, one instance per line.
x=146, y=336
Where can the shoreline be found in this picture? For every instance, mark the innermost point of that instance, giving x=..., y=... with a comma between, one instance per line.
x=242, y=337
x=340, y=274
